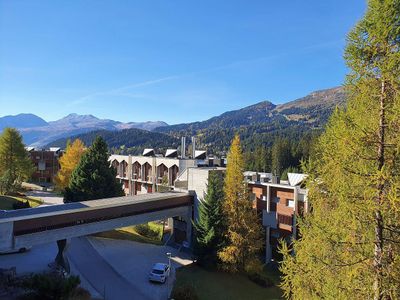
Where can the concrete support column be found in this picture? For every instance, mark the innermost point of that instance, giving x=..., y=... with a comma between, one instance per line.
x=130, y=175
x=296, y=210
x=154, y=174
x=61, y=260
x=268, y=250
x=189, y=227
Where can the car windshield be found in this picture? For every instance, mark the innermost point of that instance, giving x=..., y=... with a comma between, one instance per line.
x=155, y=271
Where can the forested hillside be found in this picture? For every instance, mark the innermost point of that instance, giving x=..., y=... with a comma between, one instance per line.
x=274, y=137
x=129, y=141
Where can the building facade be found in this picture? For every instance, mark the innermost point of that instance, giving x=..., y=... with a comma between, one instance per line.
x=46, y=162
x=147, y=174
x=278, y=204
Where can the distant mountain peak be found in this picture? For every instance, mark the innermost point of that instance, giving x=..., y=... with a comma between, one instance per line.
x=24, y=120
x=78, y=116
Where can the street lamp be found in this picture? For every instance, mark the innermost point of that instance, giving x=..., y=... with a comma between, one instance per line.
x=169, y=259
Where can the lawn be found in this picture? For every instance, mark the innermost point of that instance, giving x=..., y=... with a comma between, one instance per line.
x=133, y=233
x=219, y=285
x=6, y=202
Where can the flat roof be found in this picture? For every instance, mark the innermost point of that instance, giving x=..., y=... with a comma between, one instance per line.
x=29, y=213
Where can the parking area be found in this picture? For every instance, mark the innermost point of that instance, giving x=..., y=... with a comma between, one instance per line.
x=110, y=269
x=37, y=260
x=134, y=261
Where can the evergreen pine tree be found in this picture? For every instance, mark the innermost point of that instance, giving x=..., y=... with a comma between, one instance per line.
x=244, y=231
x=350, y=242
x=210, y=225
x=15, y=164
x=93, y=178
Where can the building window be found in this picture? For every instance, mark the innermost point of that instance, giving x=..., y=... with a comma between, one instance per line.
x=290, y=203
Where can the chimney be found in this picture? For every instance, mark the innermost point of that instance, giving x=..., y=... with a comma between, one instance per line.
x=193, y=146
x=183, y=147
x=275, y=179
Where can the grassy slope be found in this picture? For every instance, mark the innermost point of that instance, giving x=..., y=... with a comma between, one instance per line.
x=218, y=285
x=130, y=234
x=6, y=202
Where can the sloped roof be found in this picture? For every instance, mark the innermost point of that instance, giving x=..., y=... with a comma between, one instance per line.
x=148, y=152
x=171, y=153
x=295, y=178
x=200, y=154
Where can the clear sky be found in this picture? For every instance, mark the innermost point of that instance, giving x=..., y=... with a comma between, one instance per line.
x=176, y=61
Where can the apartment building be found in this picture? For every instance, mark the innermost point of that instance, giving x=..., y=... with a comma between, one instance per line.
x=46, y=162
x=278, y=203
x=149, y=172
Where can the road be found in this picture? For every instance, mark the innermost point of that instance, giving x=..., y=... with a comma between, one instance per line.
x=134, y=261
x=110, y=284
x=37, y=260
x=48, y=198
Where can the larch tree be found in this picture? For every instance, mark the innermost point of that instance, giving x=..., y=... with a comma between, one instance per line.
x=15, y=164
x=350, y=242
x=244, y=235
x=209, y=228
x=68, y=163
x=93, y=178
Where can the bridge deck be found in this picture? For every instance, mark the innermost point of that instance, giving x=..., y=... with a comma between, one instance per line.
x=157, y=199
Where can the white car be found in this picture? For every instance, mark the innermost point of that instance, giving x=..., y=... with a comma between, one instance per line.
x=159, y=273
x=20, y=250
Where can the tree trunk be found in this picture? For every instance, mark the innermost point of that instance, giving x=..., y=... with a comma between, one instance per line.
x=378, y=293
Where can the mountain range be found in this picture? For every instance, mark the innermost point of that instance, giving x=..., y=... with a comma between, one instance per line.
x=258, y=124
x=37, y=132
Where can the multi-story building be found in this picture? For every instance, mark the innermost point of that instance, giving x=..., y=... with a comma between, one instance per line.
x=278, y=202
x=46, y=162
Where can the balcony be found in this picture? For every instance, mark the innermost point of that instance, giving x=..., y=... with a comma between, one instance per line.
x=269, y=219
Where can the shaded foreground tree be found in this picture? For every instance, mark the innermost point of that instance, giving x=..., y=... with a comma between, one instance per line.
x=350, y=243
x=68, y=163
x=15, y=164
x=210, y=226
x=93, y=178
x=244, y=231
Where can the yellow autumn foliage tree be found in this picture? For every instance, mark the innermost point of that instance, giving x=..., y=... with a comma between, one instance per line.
x=244, y=231
x=68, y=163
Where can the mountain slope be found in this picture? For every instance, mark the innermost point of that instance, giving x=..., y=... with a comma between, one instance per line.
x=315, y=106
x=253, y=114
x=22, y=121
x=38, y=132
x=135, y=139
x=263, y=122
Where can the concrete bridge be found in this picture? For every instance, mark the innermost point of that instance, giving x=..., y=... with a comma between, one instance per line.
x=28, y=227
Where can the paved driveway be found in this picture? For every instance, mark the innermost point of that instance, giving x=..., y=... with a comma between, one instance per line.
x=133, y=261
x=48, y=198
x=37, y=260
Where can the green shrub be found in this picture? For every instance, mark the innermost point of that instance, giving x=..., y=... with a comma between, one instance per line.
x=51, y=287
x=184, y=292
x=147, y=231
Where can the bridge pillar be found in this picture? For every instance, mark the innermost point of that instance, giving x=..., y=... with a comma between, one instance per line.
x=189, y=232
x=61, y=259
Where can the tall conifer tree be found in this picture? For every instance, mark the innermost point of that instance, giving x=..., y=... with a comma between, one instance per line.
x=244, y=230
x=93, y=178
x=350, y=242
x=210, y=225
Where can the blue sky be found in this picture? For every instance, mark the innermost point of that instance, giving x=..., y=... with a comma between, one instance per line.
x=176, y=61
